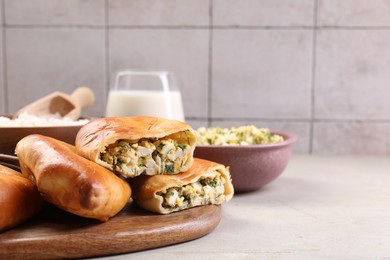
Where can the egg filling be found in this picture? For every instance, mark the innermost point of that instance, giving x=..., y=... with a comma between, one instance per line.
x=243, y=135
x=148, y=156
x=207, y=190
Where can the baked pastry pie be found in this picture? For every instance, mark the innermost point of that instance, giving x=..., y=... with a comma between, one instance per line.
x=204, y=183
x=131, y=146
x=70, y=181
x=19, y=198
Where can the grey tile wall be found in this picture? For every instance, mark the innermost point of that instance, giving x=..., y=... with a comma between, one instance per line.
x=353, y=74
x=43, y=60
x=317, y=68
x=263, y=13
x=351, y=137
x=241, y=82
x=352, y=13
x=55, y=12
x=159, y=13
x=3, y=100
x=352, y=98
x=183, y=51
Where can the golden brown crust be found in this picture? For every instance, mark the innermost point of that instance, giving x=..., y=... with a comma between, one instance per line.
x=19, y=198
x=145, y=188
x=70, y=181
x=94, y=137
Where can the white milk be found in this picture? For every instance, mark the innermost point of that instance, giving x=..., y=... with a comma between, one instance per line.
x=145, y=103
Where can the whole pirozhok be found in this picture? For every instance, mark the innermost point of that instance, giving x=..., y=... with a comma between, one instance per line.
x=70, y=181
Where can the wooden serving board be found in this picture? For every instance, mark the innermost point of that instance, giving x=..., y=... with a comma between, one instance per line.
x=58, y=234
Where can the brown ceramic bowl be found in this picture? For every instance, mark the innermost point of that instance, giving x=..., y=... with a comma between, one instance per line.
x=10, y=136
x=251, y=166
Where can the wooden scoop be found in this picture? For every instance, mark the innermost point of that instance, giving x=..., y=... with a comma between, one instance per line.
x=61, y=103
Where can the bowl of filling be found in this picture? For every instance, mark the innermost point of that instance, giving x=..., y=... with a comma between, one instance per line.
x=14, y=129
x=256, y=156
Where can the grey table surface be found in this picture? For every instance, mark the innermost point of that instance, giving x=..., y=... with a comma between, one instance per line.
x=321, y=207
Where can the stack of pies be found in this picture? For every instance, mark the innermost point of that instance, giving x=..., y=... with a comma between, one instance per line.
x=156, y=156
x=148, y=159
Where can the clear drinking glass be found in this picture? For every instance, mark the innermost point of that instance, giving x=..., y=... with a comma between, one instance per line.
x=145, y=93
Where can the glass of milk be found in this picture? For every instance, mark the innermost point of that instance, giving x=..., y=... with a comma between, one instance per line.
x=145, y=93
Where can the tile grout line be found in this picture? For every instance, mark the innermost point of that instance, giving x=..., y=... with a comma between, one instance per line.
x=198, y=27
x=304, y=120
x=313, y=78
x=4, y=53
x=107, y=52
x=210, y=66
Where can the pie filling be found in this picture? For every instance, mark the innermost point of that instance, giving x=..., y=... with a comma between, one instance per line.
x=148, y=156
x=207, y=190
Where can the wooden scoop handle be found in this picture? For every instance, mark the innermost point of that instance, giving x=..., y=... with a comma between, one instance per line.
x=83, y=97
